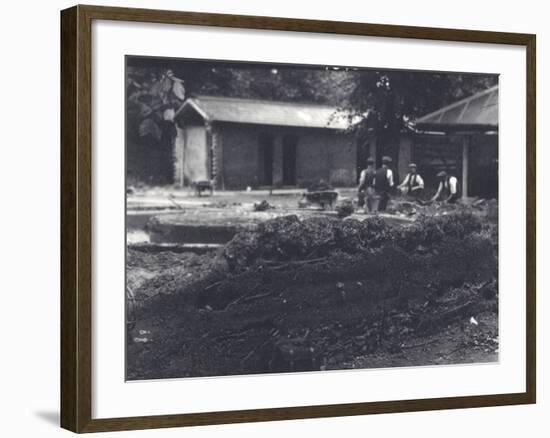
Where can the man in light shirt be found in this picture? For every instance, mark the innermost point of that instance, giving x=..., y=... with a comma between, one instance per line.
x=383, y=183
x=413, y=184
x=448, y=188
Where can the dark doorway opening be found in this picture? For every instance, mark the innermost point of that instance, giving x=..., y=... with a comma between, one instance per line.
x=266, y=159
x=483, y=168
x=362, y=155
x=289, y=160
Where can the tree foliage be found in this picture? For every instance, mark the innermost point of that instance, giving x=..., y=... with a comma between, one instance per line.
x=390, y=98
x=384, y=100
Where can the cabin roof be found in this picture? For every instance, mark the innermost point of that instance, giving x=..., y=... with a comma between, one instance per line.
x=265, y=112
x=477, y=112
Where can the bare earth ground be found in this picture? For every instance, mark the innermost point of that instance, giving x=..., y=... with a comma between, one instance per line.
x=174, y=198
x=213, y=314
x=462, y=342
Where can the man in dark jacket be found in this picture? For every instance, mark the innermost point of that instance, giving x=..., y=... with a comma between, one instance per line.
x=383, y=183
x=365, y=191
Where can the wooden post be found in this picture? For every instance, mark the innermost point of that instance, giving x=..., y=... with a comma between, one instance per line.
x=182, y=158
x=218, y=148
x=277, y=178
x=404, y=158
x=465, y=164
x=372, y=150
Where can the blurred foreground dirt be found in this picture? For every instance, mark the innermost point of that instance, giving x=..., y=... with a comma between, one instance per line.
x=320, y=293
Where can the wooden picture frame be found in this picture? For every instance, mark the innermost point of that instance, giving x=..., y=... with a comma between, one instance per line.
x=76, y=217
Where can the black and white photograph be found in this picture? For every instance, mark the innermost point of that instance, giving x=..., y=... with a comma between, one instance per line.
x=285, y=218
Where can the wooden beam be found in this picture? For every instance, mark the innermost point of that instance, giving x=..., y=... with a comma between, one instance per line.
x=372, y=150
x=465, y=164
x=182, y=157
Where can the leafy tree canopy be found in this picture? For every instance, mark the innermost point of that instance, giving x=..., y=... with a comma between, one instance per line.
x=384, y=99
x=158, y=86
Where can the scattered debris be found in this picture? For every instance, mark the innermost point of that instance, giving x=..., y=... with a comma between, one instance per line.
x=345, y=208
x=203, y=186
x=341, y=293
x=405, y=208
x=219, y=204
x=262, y=206
x=177, y=205
x=320, y=186
x=324, y=199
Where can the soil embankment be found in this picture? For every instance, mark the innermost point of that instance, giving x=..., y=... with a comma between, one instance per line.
x=319, y=293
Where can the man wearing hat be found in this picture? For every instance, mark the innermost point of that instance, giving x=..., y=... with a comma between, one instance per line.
x=413, y=184
x=383, y=183
x=366, y=186
x=448, y=188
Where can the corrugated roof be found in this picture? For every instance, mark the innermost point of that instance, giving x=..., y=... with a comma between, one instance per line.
x=481, y=110
x=265, y=112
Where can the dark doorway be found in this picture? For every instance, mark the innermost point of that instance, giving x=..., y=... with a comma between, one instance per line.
x=362, y=155
x=483, y=168
x=266, y=159
x=289, y=160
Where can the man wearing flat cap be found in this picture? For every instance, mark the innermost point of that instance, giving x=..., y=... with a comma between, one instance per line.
x=383, y=183
x=366, y=186
x=447, y=190
x=413, y=184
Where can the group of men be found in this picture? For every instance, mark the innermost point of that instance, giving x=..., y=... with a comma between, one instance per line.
x=376, y=186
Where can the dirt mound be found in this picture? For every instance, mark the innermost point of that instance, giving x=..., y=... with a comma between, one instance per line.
x=313, y=294
x=289, y=238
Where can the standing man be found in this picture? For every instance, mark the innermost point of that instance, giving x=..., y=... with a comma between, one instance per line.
x=448, y=188
x=365, y=191
x=383, y=183
x=413, y=184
